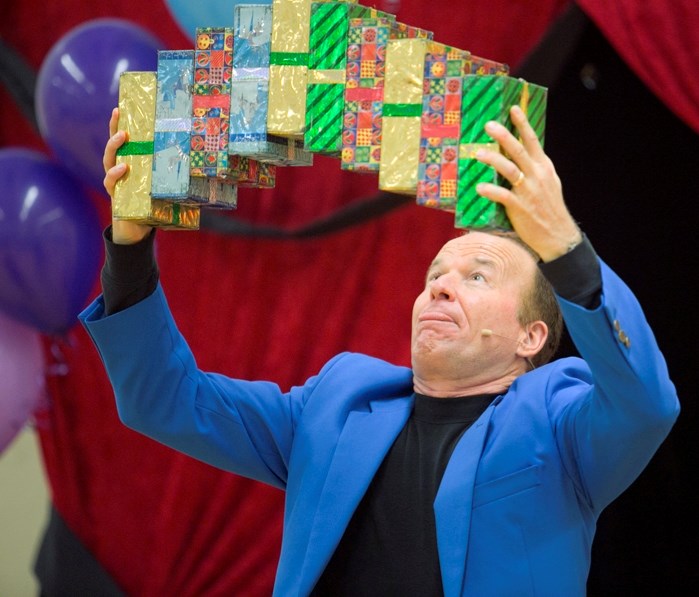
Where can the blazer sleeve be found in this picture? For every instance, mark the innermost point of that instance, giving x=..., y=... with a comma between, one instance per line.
x=245, y=427
x=609, y=434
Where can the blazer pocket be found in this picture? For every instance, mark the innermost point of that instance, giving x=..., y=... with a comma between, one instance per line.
x=507, y=486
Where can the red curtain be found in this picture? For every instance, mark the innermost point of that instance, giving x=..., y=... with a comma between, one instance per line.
x=159, y=522
x=659, y=40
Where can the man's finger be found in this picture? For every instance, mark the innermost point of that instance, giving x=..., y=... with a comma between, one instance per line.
x=504, y=166
x=528, y=136
x=110, y=149
x=112, y=176
x=511, y=147
x=113, y=122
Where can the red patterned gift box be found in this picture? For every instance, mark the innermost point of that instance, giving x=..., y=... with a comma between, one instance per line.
x=248, y=172
x=361, y=126
x=440, y=128
x=365, y=72
x=211, y=100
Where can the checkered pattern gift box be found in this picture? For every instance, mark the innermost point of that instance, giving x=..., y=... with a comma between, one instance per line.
x=439, y=129
x=363, y=97
x=211, y=102
x=364, y=86
x=441, y=118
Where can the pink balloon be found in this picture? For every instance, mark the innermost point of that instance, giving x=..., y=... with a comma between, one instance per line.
x=21, y=377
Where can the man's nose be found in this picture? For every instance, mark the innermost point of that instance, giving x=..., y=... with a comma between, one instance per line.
x=442, y=288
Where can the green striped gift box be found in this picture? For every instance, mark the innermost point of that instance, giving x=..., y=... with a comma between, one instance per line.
x=489, y=97
x=327, y=62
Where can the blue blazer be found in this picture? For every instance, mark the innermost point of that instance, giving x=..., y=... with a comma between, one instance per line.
x=517, y=506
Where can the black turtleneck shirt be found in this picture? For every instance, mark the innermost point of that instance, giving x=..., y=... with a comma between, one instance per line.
x=390, y=545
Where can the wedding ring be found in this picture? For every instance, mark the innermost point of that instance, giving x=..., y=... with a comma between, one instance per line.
x=519, y=180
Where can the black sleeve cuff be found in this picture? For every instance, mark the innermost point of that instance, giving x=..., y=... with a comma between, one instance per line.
x=130, y=272
x=576, y=275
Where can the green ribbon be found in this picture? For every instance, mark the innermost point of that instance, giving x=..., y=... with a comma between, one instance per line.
x=288, y=58
x=402, y=110
x=136, y=148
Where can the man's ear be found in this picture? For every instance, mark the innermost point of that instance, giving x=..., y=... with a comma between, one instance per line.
x=533, y=339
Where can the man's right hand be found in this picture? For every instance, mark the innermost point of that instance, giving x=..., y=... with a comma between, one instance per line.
x=124, y=232
x=534, y=203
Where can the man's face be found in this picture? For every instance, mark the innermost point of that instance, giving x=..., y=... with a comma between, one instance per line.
x=475, y=283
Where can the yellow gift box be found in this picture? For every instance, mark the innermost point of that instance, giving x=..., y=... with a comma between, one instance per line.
x=402, y=113
x=288, y=67
x=132, y=199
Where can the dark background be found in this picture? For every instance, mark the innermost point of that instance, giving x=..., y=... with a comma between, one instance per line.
x=630, y=169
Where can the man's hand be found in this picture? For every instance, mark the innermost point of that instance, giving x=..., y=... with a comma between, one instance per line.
x=535, y=204
x=123, y=231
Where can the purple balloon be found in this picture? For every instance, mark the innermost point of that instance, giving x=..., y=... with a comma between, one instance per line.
x=50, y=242
x=22, y=375
x=78, y=85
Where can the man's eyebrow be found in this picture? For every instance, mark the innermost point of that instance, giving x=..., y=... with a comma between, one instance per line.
x=486, y=261
x=480, y=260
x=435, y=264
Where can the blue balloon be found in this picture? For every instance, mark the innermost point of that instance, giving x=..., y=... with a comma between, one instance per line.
x=205, y=13
x=50, y=242
x=78, y=85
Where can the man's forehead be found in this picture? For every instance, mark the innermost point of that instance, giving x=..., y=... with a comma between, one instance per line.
x=474, y=241
x=484, y=248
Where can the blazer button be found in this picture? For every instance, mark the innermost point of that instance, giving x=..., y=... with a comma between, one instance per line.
x=624, y=339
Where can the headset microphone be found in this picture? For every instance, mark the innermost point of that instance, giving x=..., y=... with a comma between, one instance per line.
x=488, y=332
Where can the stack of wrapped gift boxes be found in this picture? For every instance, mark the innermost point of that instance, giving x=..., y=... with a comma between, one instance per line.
x=296, y=78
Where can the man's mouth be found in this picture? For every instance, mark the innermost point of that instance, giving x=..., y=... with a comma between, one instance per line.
x=435, y=316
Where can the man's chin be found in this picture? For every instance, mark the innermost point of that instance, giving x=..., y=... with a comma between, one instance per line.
x=429, y=355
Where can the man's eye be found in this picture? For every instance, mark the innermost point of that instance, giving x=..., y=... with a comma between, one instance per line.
x=477, y=277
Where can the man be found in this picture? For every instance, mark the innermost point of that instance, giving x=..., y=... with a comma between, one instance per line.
x=482, y=469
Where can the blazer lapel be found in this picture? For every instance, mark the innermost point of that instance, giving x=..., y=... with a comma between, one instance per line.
x=364, y=441
x=452, y=506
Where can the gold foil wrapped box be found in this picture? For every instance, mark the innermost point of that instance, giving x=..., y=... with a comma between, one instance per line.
x=402, y=113
x=132, y=199
x=364, y=88
x=288, y=67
